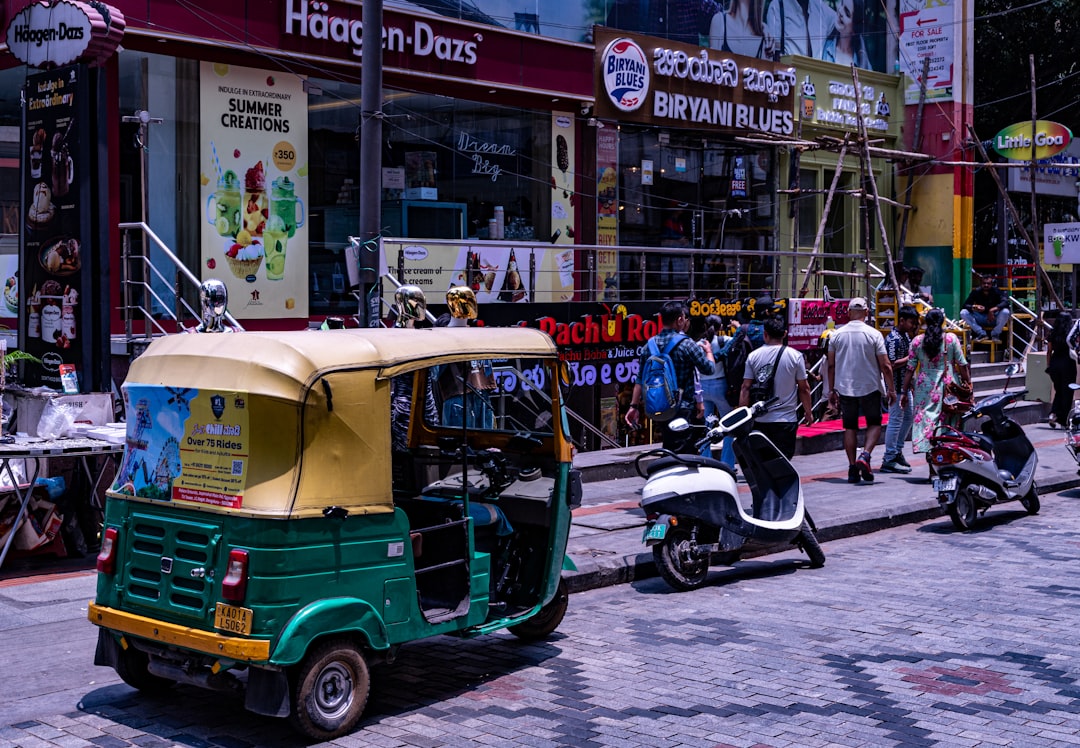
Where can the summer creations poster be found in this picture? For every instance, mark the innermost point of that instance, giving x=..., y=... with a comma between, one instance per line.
x=255, y=188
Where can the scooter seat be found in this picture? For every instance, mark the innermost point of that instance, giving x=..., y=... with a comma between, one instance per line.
x=682, y=460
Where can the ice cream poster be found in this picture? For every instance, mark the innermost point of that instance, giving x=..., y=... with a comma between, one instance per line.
x=185, y=444
x=254, y=187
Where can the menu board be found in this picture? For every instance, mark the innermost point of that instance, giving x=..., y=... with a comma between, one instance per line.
x=55, y=271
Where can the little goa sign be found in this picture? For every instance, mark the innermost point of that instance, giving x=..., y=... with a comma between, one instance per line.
x=1014, y=142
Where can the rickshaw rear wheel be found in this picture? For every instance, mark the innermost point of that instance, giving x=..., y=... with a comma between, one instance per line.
x=330, y=690
x=547, y=619
x=132, y=665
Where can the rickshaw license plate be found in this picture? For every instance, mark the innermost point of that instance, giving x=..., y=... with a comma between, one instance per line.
x=656, y=532
x=233, y=619
x=945, y=484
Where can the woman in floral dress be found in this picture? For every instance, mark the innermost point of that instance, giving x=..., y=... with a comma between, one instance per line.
x=936, y=358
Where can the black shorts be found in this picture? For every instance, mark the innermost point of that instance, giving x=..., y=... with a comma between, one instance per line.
x=870, y=405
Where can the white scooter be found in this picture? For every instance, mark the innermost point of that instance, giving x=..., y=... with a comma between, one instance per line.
x=692, y=506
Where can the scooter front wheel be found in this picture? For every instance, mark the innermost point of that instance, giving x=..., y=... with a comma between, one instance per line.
x=808, y=541
x=963, y=509
x=1030, y=501
x=678, y=562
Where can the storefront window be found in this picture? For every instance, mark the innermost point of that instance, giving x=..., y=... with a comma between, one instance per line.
x=447, y=164
x=683, y=191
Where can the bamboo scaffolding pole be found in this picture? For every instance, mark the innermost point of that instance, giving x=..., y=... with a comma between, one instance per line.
x=889, y=269
x=916, y=143
x=812, y=264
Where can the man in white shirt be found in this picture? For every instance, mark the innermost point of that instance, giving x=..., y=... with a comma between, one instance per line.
x=781, y=423
x=800, y=26
x=857, y=364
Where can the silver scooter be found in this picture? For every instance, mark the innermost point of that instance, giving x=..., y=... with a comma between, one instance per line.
x=974, y=470
x=692, y=506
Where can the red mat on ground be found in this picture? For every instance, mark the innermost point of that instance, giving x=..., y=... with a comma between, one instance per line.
x=829, y=427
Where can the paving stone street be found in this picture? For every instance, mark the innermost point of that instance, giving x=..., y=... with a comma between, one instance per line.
x=915, y=635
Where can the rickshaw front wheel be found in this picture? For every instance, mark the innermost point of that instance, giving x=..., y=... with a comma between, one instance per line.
x=547, y=619
x=330, y=690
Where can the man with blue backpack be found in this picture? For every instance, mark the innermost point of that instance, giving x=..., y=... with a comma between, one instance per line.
x=665, y=385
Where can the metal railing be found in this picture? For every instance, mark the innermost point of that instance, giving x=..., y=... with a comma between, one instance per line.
x=137, y=276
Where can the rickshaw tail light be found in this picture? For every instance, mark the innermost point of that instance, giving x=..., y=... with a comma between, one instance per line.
x=106, y=558
x=234, y=585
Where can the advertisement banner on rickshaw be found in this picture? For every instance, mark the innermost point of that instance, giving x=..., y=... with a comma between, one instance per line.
x=186, y=445
x=497, y=273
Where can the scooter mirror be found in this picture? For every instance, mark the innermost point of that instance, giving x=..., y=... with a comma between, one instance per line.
x=678, y=424
x=1012, y=369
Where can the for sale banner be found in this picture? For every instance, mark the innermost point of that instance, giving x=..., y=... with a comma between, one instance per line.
x=185, y=444
x=255, y=189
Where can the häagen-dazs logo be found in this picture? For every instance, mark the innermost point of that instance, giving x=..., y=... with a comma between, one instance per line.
x=626, y=74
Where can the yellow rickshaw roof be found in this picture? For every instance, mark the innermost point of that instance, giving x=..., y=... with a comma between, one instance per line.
x=283, y=364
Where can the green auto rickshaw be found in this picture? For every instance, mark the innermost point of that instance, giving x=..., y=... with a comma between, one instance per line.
x=292, y=507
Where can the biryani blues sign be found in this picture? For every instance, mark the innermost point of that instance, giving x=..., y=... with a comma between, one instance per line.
x=626, y=74
x=659, y=82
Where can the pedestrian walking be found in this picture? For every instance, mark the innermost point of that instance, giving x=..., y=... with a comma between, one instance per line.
x=901, y=414
x=686, y=358
x=936, y=360
x=986, y=306
x=787, y=369
x=857, y=365
x=1061, y=366
x=714, y=386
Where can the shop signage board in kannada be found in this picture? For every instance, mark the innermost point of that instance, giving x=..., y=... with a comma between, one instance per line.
x=254, y=177
x=57, y=247
x=1056, y=175
x=1061, y=243
x=829, y=99
x=185, y=445
x=658, y=82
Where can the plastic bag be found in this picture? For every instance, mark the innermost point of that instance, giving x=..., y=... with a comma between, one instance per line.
x=57, y=418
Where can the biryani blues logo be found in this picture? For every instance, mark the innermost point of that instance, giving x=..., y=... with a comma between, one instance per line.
x=626, y=74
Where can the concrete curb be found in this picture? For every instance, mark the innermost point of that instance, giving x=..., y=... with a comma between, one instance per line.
x=608, y=569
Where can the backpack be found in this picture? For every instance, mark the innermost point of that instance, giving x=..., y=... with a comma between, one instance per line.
x=661, y=395
x=735, y=355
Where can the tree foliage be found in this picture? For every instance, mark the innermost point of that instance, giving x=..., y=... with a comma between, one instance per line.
x=1007, y=32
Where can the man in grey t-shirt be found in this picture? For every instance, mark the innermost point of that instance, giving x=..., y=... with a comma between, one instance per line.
x=857, y=364
x=781, y=423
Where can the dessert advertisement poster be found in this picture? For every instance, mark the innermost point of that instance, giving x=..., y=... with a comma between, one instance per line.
x=498, y=273
x=253, y=176
x=54, y=256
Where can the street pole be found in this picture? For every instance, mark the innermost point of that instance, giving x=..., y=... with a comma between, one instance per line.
x=370, y=154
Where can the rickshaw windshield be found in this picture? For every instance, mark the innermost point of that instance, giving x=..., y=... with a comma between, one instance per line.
x=494, y=394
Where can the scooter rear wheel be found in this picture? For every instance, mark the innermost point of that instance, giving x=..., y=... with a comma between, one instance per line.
x=963, y=509
x=1030, y=501
x=808, y=541
x=677, y=565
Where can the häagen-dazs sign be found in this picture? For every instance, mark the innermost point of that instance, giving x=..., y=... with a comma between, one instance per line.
x=47, y=34
x=51, y=34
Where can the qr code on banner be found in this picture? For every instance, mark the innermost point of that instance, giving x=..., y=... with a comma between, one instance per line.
x=237, y=467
